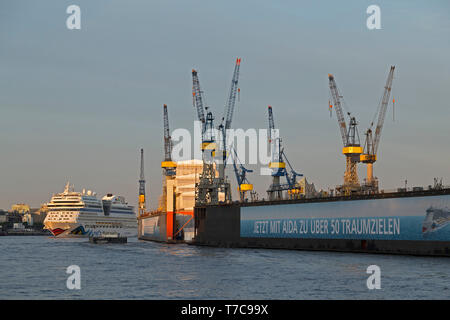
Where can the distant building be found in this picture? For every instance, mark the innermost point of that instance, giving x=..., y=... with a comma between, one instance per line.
x=20, y=208
x=13, y=217
x=28, y=219
x=18, y=226
x=187, y=175
x=307, y=189
x=39, y=214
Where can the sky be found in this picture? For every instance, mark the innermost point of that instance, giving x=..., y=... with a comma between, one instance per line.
x=79, y=104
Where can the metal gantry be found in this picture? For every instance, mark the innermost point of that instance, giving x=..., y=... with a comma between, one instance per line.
x=278, y=166
x=209, y=187
x=350, y=138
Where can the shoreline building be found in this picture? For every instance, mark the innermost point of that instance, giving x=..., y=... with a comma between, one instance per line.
x=20, y=208
x=173, y=219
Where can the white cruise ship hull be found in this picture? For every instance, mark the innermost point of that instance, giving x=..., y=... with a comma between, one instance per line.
x=93, y=226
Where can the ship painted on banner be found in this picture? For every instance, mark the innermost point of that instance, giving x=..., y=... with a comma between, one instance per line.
x=436, y=219
x=72, y=214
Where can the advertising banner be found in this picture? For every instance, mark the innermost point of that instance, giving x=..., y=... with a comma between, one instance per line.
x=408, y=218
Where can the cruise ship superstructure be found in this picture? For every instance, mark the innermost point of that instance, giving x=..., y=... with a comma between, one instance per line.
x=72, y=213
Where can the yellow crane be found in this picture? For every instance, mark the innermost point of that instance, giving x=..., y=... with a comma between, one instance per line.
x=372, y=142
x=168, y=165
x=141, y=209
x=352, y=148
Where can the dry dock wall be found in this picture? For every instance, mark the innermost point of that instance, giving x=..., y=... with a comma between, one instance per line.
x=228, y=226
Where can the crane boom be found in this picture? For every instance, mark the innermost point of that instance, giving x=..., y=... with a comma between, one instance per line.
x=229, y=108
x=228, y=115
x=275, y=142
x=197, y=99
x=292, y=176
x=384, y=104
x=337, y=105
x=167, y=139
x=271, y=123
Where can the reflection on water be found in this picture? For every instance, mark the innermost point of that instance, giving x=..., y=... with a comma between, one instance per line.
x=148, y=270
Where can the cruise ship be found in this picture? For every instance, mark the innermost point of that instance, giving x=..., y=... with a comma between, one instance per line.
x=436, y=219
x=72, y=213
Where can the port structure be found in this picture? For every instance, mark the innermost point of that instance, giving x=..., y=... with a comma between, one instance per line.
x=278, y=166
x=228, y=117
x=209, y=187
x=141, y=210
x=369, y=157
x=350, y=138
x=168, y=165
x=244, y=185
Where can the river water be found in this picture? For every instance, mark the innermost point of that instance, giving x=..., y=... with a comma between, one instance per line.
x=35, y=268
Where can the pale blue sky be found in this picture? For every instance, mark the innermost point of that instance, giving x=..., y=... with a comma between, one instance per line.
x=78, y=105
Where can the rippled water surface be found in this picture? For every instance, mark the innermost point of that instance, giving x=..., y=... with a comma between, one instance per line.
x=35, y=268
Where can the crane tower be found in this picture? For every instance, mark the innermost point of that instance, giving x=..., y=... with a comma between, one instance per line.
x=168, y=165
x=141, y=210
x=372, y=142
x=350, y=138
x=208, y=188
x=278, y=166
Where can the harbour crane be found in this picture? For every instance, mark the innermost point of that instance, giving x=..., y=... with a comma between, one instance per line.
x=278, y=166
x=228, y=115
x=229, y=107
x=141, y=210
x=350, y=138
x=294, y=188
x=168, y=165
x=208, y=189
x=241, y=177
x=372, y=142
x=206, y=122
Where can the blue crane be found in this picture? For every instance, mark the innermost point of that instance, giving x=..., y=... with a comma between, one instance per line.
x=241, y=177
x=278, y=166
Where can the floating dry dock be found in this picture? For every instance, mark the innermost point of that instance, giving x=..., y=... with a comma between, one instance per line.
x=413, y=222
